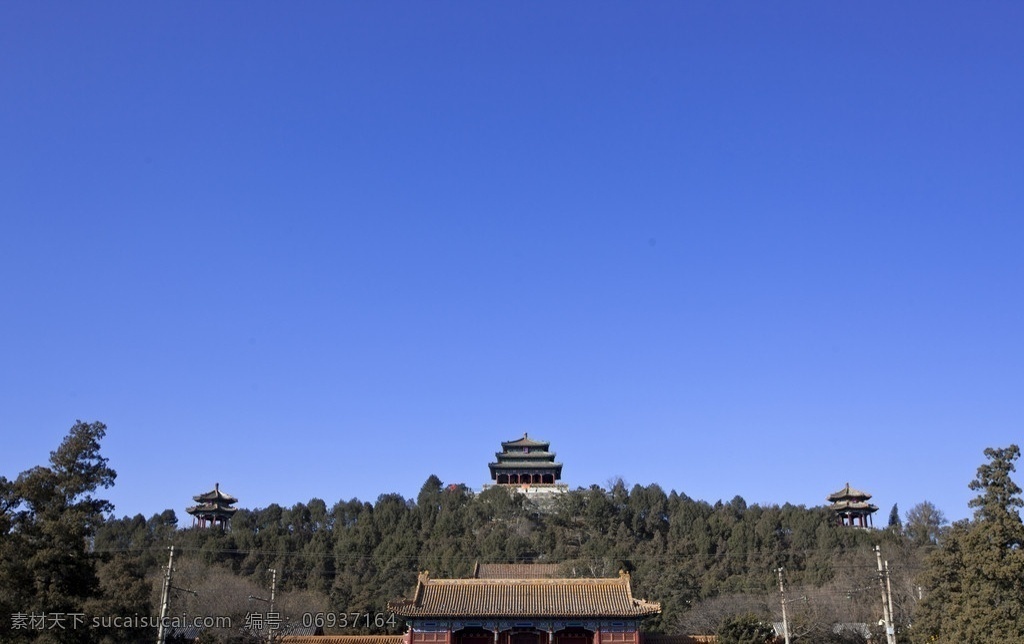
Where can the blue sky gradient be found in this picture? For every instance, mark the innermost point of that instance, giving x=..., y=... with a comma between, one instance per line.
x=326, y=250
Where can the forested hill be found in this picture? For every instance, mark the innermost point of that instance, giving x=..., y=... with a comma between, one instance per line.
x=701, y=561
x=709, y=565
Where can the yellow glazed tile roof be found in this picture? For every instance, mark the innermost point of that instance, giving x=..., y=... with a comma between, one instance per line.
x=524, y=598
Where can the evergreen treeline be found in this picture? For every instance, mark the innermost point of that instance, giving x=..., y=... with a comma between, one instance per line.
x=708, y=564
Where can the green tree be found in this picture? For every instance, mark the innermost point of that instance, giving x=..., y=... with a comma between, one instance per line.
x=1000, y=496
x=124, y=591
x=925, y=524
x=976, y=577
x=50, y=517
x=745, y=629
x=894, y=518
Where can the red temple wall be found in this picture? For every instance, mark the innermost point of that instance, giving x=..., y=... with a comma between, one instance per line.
x=418, y=637
x=620, y=638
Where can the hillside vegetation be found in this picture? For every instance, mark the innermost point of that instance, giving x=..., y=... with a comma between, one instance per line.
x=706, y=563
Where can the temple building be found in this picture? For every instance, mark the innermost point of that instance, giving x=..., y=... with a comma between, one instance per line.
x=852, y=508
x=530, y=609
x=214, y=508
x=528, y=466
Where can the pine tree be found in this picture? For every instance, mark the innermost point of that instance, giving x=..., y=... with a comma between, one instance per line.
x=745, y=629
x=50, y=517
x=976, y=578
x=894, y=518
x=995, y=589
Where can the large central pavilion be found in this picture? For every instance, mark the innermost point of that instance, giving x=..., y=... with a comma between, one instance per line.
x=523, y=610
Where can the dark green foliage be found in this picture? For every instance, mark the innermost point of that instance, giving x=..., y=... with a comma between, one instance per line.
x=894, y=518
x=745, y=629
x=1000, y=496
x=49, y=519
x=975, y=580
x=678, y=551
x=124, y=590
x=839, y=636
x=705, y=563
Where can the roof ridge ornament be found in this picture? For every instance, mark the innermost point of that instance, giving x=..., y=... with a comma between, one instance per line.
x=421, y=581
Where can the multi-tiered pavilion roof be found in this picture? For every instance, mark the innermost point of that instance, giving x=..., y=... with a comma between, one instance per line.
x=851, y=507
x=525, y=461
x=214, y=507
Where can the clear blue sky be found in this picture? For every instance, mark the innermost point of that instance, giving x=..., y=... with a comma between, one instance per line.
x=328, y=249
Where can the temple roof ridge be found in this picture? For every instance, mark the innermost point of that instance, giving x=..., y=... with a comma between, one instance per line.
x=848, y=492
x=538, y=597
x=525, y=441
x=215, y=495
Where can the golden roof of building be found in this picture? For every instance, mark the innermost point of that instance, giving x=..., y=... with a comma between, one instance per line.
x=524, y=598
x=515, y=571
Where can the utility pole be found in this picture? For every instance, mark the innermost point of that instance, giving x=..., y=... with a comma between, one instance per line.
x=161, y=632
x=888, y=591
x=270, y=602
x=890, y=631
x=273, y=587
x=785, y=624
x=273, y=590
